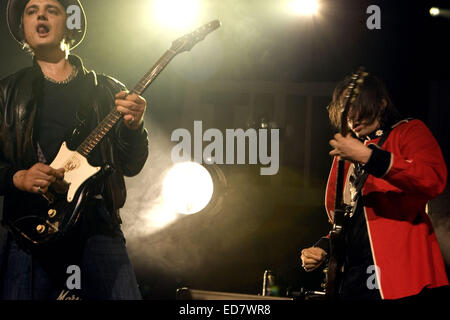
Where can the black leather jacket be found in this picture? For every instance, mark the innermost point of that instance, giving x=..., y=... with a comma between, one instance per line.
x=125, y=150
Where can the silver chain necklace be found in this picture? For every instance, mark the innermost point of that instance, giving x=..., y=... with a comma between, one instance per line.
x=71, y=76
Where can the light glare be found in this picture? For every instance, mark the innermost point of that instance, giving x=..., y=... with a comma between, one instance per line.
x=187, y=188
x=434, y=11
x=176, y=13
x=305, y=7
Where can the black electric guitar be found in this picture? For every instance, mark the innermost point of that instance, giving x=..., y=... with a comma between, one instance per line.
x=40, y=219
x=341, y=210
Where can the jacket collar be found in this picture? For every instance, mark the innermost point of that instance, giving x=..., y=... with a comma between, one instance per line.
x=379, y=132
x=376, y=134
x=74, y=60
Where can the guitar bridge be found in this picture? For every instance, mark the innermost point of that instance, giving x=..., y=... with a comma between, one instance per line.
x=53, y=227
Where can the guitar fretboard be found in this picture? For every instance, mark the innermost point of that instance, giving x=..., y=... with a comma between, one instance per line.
x=114, y=116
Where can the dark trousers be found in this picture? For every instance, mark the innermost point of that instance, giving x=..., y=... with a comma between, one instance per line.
x=93, y=264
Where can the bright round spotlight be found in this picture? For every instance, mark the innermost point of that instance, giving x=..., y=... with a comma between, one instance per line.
x=434, y=11
x=305, y=7
x=187, y=188
x=176, y=13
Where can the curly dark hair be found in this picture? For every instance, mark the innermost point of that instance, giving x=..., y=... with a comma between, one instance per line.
x=368, y=104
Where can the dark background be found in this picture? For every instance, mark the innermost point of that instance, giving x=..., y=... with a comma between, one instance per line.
x=256, y=222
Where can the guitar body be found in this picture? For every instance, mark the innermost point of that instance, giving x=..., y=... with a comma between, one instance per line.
x=335, y=259
x=43, y=218
x=77, y=169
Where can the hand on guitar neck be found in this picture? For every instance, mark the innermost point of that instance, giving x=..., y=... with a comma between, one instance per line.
x=39, y=178
x=350, y=149
x=312, y=258
x=132, y=106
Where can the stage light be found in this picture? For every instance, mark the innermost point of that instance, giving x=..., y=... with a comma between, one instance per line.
x=440, y=12
x=187, y=188
x=305, y=7
x=434, y=11
x=176, y=13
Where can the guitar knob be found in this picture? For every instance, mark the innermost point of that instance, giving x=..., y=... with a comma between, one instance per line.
x=40, y=228
x=52, y=213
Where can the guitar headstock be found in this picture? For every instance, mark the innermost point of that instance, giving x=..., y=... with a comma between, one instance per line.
x=352, y=91
x=188, y=41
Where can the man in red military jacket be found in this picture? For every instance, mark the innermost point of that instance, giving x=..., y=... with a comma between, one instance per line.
x=391, y=248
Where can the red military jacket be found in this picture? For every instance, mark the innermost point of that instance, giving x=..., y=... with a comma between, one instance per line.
x=403, y=243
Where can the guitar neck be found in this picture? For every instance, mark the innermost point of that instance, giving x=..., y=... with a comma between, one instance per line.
x=114, y=116
x=151, y=75
x=182, y=44
x=352, y=91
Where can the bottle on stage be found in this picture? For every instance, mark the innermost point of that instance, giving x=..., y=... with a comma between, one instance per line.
x=269, y=286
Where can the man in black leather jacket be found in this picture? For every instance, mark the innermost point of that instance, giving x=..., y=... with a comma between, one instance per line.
x=37, y=106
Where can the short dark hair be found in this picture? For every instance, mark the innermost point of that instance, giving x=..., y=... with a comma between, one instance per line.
x=368, y=103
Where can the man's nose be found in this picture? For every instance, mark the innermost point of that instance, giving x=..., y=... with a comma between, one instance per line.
x=42, y=16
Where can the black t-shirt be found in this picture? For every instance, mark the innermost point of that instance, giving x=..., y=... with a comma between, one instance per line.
x=57, y=114
x=62, y=107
